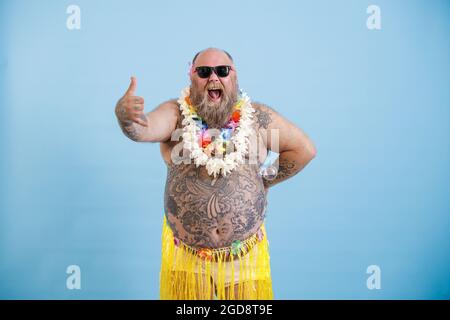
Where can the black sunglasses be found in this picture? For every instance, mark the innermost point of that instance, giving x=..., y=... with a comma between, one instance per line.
x=221, y=71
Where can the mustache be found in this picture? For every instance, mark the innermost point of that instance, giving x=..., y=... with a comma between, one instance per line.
x=215, y=115
x=214, y=86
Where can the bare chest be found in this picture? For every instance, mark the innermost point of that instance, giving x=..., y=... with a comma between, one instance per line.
x=213, y=212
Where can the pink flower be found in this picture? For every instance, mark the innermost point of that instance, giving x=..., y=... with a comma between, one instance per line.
x=260, y=235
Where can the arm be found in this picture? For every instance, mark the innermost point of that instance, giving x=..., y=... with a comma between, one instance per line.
x=155, y=126
x=161, y=122
x=295, y=149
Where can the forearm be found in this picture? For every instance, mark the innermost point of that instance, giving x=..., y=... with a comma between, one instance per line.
x=289, y=164
x=133, y=130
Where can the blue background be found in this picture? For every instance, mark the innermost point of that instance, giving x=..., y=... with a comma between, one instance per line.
x=75, y=190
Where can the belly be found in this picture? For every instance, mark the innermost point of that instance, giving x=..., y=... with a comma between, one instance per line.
x=207, y=212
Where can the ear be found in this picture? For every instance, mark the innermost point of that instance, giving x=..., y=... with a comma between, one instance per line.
x=191, y=69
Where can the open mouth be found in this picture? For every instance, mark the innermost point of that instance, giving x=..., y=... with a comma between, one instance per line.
x=215, y=94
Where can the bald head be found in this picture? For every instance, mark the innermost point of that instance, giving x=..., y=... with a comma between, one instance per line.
x=216, y=51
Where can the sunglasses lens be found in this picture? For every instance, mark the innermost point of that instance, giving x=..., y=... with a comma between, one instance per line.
x=204, y=72
x=222, y=71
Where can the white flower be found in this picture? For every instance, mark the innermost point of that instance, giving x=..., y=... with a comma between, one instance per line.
x=240, y=140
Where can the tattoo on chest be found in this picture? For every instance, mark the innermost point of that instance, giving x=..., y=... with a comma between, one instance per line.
x=204, y=211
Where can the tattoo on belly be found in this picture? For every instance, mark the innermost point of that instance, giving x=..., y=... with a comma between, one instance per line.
x=207, y=212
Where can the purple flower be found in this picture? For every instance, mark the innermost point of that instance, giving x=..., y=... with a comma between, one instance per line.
x=232, y=125
x=260, y=235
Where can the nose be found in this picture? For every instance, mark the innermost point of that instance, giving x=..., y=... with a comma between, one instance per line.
x=213, y=77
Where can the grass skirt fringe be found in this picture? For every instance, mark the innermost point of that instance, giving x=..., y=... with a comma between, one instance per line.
x=192, y=274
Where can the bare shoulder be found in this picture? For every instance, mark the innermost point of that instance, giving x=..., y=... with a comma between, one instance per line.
x=264, y=115
x=290, y=136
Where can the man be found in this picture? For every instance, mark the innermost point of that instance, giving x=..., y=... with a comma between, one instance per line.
x=214, y=240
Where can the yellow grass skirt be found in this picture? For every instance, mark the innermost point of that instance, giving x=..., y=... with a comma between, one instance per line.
x=238, y=272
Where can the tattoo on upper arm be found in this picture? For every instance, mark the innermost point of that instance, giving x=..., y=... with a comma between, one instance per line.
x=263, y=117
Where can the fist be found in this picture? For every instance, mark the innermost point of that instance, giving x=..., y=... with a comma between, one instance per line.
x=131, y=107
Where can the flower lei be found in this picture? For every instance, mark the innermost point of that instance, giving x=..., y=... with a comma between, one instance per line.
x=202, y=147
